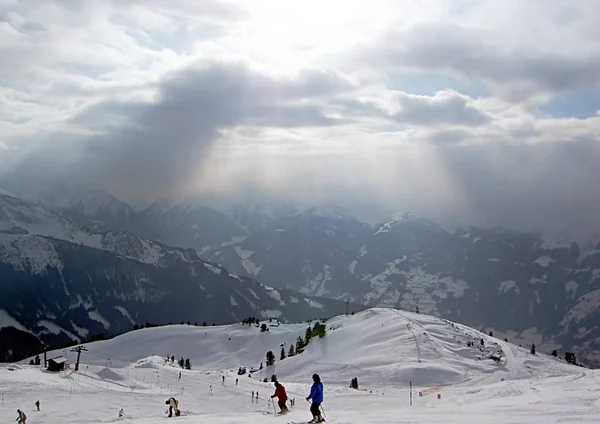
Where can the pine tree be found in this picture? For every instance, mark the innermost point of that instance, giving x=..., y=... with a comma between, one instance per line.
x=322, y=331
x=308, y=335
x=532, y=349
x=291, y=352
x=491, y=334
x=37, y=359
x=181, y=362
x=270, y=358
x=188, y=365
x=554, y=353
x=299, y=345
x=282, y=357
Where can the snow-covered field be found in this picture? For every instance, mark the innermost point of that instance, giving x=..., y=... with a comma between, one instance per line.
x=384, y=348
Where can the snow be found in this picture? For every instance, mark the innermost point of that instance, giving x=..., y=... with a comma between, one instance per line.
x=213, y=268
x=571, y=289
x=27, y=226
x=505, y=286
x=55, y=329
x=316, y=285
x=586, y=304
x=384, y=348
x=83, y=332
x=314, y=304
x=250, y=267
x=334, y=212
x=28, y=253
x=544, y=261
x=125, y=313
x=7, y=321
x=391, y=223
x=95, y=315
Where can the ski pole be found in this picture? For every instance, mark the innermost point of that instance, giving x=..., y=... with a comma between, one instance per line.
x=321, y=406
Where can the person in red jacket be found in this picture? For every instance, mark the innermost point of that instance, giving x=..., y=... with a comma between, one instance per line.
x=282, y=397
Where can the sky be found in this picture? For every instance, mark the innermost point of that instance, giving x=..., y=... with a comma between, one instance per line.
x=480, y=112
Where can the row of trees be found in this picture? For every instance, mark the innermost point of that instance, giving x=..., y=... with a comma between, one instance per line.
x=318, y=330
x=149, y=325
x=182, y=363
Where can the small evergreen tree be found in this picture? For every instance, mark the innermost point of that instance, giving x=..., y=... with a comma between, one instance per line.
x=299, y=345
x=263, y=327
x=532, y=350
x=282, y=357
x=570, y=358
x=291, y=352
x=482, y=342
x=188, y=365
x=506, y=340
x=31, y=362
x=308, y=335
x=322, y=331
x=554, y=353
x=354, y=383
x=204, y=324
x=37, y=359
x=173, y=359
x=270, y=358
x=491, y=334
x=181, y=362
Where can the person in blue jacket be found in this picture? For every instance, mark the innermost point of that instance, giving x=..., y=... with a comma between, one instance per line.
x=316, y=394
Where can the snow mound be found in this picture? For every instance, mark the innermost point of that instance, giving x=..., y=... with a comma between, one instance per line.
x=109, y=374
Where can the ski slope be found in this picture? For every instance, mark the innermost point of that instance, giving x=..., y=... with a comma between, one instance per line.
x=385, y=349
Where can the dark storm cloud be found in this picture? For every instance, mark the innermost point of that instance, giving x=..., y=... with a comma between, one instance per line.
x=157, y=149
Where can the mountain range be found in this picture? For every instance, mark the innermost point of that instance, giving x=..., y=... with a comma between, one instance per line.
x=62, y=283
x=511, y=283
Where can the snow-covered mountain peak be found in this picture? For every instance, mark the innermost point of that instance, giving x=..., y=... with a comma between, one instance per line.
x=332, y=212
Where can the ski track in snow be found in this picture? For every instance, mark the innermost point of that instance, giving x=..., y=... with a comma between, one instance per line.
x=383, y=348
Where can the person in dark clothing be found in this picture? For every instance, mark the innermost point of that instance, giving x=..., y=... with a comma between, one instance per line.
x=281, y=395
x=316, y=394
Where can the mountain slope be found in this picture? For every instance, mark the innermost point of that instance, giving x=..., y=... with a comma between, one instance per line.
x=376, y=345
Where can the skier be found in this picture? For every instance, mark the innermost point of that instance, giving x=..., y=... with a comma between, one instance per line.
x=281, y=395
x=173, y=405
x=236, y=381
x=316, y=394
x=37, y=405
x=22, y=417
x=179, y=375
x=121, y=413
x=223, y=379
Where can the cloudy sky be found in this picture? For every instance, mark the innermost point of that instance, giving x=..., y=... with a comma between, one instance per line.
x=475, y=111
